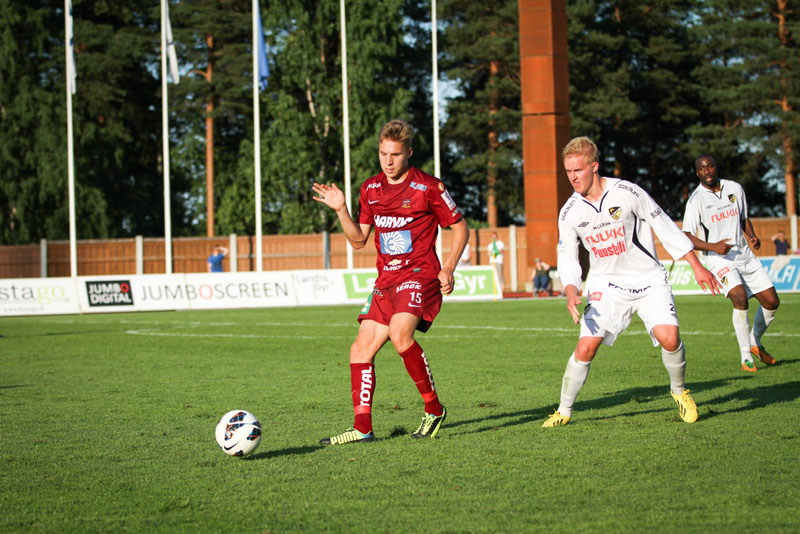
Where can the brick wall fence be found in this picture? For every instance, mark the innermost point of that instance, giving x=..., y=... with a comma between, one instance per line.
x=280, y=252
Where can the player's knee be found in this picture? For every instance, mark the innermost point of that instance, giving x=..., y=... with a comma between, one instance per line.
x=401, y=341
x=361, y=352
x=585, y=352
x=739, y=300
x=772, y=302
x=671, y=342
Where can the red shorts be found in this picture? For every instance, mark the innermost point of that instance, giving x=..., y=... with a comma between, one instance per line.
x=420, y=297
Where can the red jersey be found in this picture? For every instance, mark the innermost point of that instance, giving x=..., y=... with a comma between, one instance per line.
x=406, y=218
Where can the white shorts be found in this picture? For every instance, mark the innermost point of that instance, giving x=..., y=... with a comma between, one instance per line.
x=611, y=306
x=730, y=274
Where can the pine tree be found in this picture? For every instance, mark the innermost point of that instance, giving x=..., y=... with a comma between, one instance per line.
x=750, y=83
x=302, y=107
x=115, y=118
x=631, y=91
x=480, y=57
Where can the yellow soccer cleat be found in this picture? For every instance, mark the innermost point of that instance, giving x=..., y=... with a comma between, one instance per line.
x=762, y=355
x=351, y=435
x=556, y=419
x=686, y=406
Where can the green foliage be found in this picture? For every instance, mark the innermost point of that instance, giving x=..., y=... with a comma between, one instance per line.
x=115, y=118
x=302, y=108
x=112, y=431
x=480, y=56
x=746, y=72
x=630, y=90
x=654, y=83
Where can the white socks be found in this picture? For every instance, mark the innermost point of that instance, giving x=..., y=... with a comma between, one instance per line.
x=742, y=328
x=761, y=321
x=675, y=363
x=574, y=378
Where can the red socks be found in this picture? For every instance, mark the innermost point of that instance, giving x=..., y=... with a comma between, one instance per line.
x=417, y=366
x=362, y=386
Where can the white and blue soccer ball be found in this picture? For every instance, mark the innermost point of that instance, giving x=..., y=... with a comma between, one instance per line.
x=238, y=433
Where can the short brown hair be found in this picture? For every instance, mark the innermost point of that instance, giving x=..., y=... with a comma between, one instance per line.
x=397, y=130
x=582, y=146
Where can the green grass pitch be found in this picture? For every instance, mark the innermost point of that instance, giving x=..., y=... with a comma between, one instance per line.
x=107, y=423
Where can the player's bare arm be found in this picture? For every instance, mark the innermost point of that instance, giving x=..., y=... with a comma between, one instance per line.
x=721, y=247
x=332, y=196
x=703, y=276
x=460, y=237
x=573, y=302
x=752, y=238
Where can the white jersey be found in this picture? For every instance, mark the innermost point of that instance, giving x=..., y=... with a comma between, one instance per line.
x=616, y=231
x=717, y=216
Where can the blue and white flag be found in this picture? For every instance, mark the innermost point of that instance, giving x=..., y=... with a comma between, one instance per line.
x=263, y=66
x=71, y=75
x=172, y=56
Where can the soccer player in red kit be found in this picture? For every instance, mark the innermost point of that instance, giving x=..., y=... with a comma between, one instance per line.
x=406, y=206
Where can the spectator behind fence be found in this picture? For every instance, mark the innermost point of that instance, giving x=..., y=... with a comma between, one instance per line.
x=466, y=256
x=495, y=250
x=541, y=276
x=215, y=260
x=781, y=244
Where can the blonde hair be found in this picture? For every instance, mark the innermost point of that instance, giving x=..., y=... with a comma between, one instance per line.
x=397, y=130
x=582, y=146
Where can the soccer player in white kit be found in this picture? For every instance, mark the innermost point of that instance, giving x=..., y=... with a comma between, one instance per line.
x=612, y=219
x=717, y=223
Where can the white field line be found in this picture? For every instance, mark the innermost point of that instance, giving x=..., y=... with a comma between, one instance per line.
x=168, y=330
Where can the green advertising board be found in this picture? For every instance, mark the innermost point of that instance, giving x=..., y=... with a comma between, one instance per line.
x=470, y=283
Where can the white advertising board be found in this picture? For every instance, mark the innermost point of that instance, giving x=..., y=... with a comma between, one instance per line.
x=37, y=296
x=200, y=291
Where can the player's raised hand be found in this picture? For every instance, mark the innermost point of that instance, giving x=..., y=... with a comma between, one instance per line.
x=330, y=195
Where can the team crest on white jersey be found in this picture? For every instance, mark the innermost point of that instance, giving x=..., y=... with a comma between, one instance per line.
x=732, y=198
x=615, y=212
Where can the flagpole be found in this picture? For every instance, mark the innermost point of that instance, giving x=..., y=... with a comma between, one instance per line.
x=165, y=143
x=346, y=126
x=257, y=141
x=68, y=38
x=435, y=88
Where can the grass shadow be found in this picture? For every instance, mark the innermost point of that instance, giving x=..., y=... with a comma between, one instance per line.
x=758, y=397
x=282, y=452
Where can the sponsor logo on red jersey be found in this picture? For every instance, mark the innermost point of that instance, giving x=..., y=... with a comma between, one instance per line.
x=388, y=221
x=408, y=285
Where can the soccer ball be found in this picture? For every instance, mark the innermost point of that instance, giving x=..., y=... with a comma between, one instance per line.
x=238, y=433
